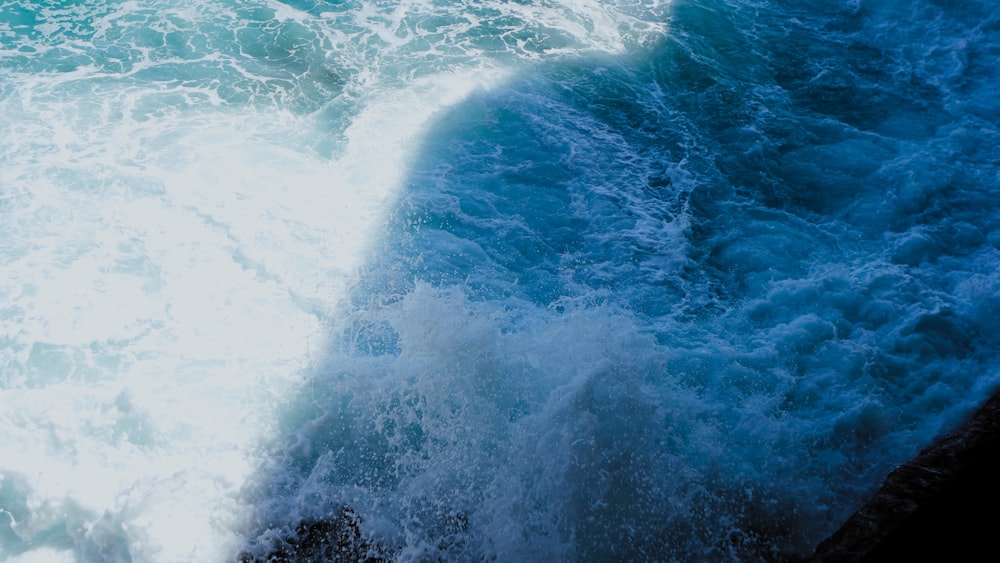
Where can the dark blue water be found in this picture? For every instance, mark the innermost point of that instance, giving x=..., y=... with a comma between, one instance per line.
x=573, y=281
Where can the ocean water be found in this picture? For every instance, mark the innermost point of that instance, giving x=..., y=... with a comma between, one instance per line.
x=563, y=280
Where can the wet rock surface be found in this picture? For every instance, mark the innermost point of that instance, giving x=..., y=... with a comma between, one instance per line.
x=939, y=505
x=338, y=539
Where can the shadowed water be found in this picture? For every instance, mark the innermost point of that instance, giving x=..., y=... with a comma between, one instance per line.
x=687, y=304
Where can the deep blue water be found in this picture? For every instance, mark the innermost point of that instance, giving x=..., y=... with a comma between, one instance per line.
x=515, y=281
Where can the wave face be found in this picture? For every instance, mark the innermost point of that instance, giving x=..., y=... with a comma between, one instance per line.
x=520, y=281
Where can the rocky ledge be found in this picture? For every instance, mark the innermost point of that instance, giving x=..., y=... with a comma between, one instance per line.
x=323, y=541
x=941, y=505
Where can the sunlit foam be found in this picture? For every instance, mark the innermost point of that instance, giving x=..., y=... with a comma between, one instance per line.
x=169, y=258
x=174, y=289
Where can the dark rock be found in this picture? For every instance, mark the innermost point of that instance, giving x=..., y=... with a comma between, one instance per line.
x=335, y=540
x=940, y=505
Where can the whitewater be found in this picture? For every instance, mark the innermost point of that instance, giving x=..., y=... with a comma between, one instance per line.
x=502, y=280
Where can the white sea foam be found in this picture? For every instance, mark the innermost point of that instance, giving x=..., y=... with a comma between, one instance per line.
x=168, y=264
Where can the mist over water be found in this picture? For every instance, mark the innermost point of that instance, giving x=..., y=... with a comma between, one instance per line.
x=572, y=281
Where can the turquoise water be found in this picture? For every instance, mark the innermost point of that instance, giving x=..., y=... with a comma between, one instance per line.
x=516, y=281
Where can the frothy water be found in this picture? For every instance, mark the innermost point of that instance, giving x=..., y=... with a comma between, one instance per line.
x=518, y=281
